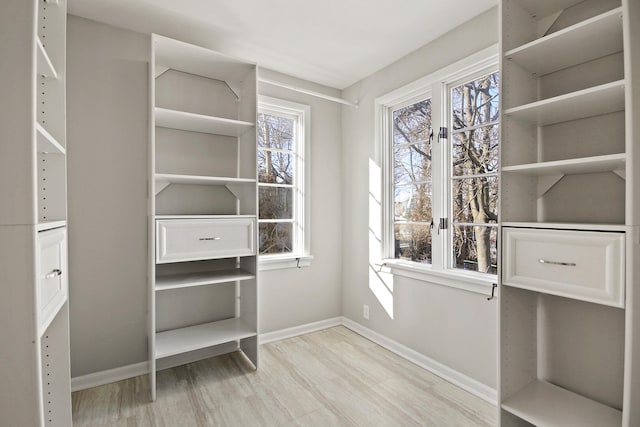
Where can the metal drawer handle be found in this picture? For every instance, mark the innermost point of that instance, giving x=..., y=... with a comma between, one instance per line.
x=567, y=264
x=54, y=273
x=209, y=238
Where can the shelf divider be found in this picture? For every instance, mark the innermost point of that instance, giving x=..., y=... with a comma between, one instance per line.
x=544, y=404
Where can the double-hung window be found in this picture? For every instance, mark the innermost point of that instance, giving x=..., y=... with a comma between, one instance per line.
x=440, y=145
x=283, y=137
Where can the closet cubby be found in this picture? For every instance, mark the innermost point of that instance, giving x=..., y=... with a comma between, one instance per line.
x=203, y=205
x=569, y=231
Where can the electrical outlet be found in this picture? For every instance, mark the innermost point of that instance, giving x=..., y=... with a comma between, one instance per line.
x=366, y=312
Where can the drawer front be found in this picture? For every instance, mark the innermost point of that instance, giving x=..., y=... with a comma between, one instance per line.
x=52, y=289
x=583, y=265
x=191, y=240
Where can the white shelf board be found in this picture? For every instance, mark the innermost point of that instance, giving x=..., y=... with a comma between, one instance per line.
x=46, y=142
x=177, y=341
x=542, y=8
x=567, y=47
x=546, y=405
x=175, y=281
x=50, y=225
x=157, y=217
x=45, y=66
x=607, y=163
x=566, y=226
x=603, y=99
x=200, y=61
x=193, y=122
x=200, y=180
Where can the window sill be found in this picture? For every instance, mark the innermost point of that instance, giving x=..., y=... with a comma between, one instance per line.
x=271, y=262
x=466, y=281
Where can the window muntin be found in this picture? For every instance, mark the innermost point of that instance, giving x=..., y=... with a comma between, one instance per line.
x=474, y=118
x=411, y=136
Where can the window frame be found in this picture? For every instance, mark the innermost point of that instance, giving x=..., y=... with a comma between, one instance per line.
x=438, y=84
x=300, y=255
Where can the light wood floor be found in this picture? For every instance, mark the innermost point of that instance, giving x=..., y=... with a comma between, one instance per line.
x=332, y=377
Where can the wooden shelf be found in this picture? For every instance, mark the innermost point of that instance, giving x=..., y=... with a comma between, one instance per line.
x=200, y=180
x=566, y=226
x=177, y=341
x=45, y=66
x=566, y=47
x=594, y=101
x=544, y=404
x=193, y=122
x=175, y=281
x=46, y=142
x=608, y=163
x=49, y=225
x=542, y=8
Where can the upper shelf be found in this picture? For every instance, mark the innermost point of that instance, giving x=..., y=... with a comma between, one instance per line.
x=193, y=122
x=44, y=64
x=199, y=180
x=542, y=8
x=603, y=99
x=607, y=163
x=46, y=142
x=186, y=280
x=567, y=47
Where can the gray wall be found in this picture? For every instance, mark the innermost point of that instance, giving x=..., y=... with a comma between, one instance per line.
x=107, y=103
x=454, y=327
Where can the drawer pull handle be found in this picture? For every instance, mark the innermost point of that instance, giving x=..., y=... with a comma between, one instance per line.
x=209, y=238
x=567, y=264
x=54, y=273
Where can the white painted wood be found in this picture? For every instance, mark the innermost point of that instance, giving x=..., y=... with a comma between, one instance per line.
x=191, y=240
x=566, y=47
x=200, y=180
x=45, y=67
x=185, y=280
x=603, y=99
x=607, y=163
x=542, y=8
x=52, y=275
x=169, y=343
x=193, y=122
x=49, y=225
x=566, y=226
x=546, y=405
x=589, y=266
x=46, y=142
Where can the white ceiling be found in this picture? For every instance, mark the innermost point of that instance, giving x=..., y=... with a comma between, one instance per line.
x=331, y=42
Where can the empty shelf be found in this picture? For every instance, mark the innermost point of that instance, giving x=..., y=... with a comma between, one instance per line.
x=176, y=341
x=608, y=163
x=546, y=405
x=193, y=122
x=201, y=180
x=594, y=101
x=566, y=47
x=45, y=66
x=542, y=8
x=49, y=225
x=186, y=280
x=46, y=142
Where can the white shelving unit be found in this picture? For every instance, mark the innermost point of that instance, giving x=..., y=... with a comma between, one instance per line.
x=34, y=330
x=569, y=339
x=203, y=215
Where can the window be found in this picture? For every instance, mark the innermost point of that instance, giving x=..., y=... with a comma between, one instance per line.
x=282, y=179
x=440, y=140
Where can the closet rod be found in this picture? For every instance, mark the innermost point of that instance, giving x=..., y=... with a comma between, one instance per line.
x=308, y=92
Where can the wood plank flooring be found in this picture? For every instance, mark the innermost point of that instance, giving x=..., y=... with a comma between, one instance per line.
x=332, y=377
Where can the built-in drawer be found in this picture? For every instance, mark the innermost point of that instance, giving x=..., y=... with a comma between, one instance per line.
x=584, y=265
x=52, y=290
x=197, y=239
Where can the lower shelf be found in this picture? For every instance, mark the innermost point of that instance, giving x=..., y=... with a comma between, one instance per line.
x=185, y=280
x=183, y=340
x=544, y=404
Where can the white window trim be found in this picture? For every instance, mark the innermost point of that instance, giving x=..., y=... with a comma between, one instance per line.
x=440, y=271
x=301, y=257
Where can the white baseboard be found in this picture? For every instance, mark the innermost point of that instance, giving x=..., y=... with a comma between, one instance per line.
x=465, y=382
x=299, y=330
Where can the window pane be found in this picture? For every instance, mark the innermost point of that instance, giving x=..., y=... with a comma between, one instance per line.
x=413, y=242
x=412, y=163
x=475, y=200
x=275, y=167
x=475, y=102
x=275, y=132
x=413, y=203
x=475, y=151
x=475, y=248
x=412, y=123
x=276, y=203
x=275, y=238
